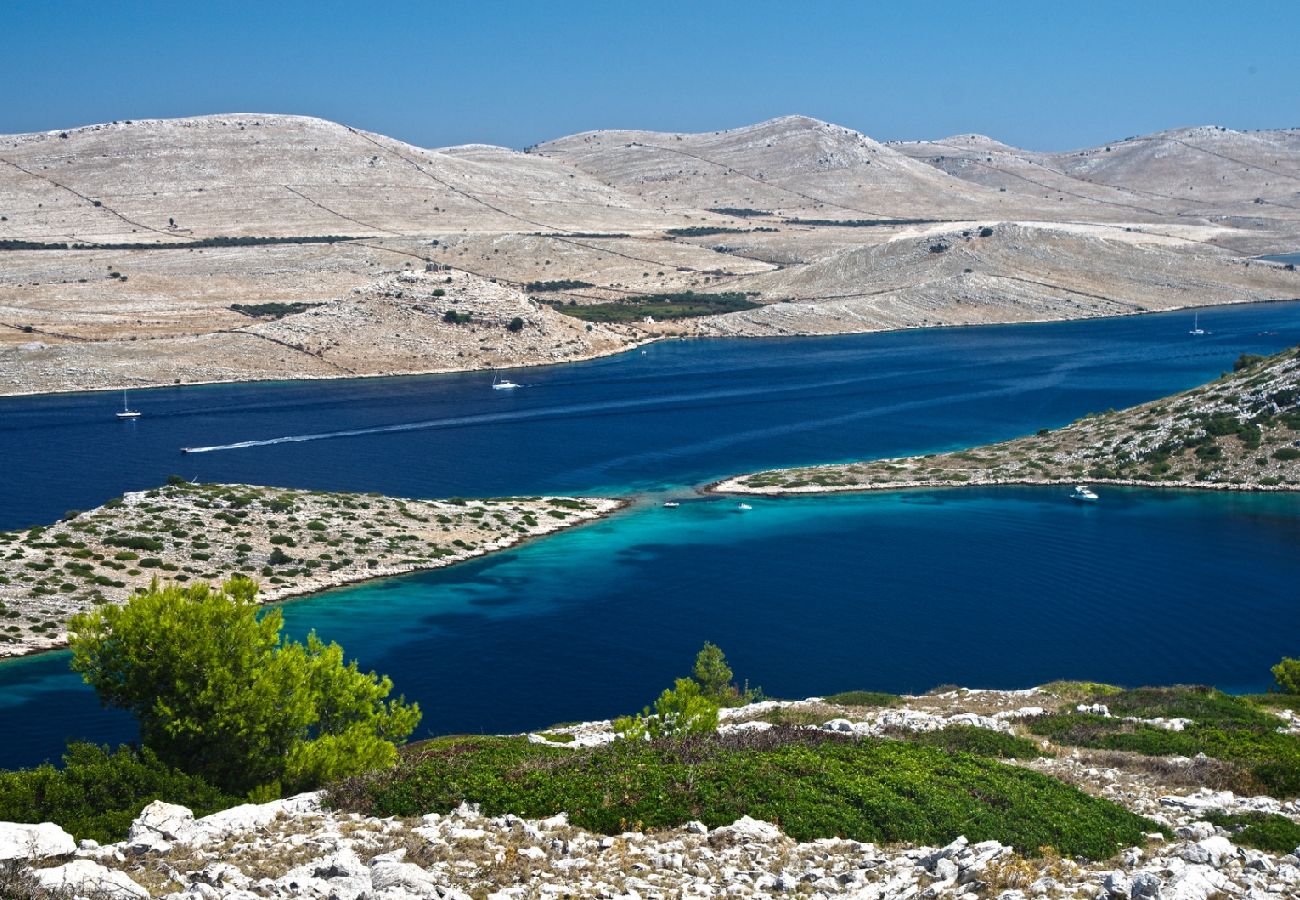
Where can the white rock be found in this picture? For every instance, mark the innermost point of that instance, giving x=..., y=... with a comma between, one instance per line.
x=1196, y=883
x=34, y=841
x=750, y=829
x=1214, y=851
x=1117, y=885
x=160, y=825
x=945, y=869
x=388, y=871
x=82, y=876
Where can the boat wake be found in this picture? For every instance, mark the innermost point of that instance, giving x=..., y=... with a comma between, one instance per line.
x=577, y=410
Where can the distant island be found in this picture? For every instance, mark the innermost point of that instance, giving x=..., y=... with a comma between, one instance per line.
x=1239, y=432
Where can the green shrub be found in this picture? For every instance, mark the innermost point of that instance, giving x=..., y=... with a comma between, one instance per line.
x=220, y=694
x=680, y=710
x=1269, y=832
x=864, y=698
x=814, y=784
x=97, y=793
x=980, y=741
x=1287, y=675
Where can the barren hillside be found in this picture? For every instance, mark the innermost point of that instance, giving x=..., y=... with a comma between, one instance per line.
x=1002, y=272
x=132, y=252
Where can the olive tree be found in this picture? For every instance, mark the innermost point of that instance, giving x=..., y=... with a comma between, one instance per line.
x=219, y=693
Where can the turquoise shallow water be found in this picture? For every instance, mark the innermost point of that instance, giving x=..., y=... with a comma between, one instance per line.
x=899, y=591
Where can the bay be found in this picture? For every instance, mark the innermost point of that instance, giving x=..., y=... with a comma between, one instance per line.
x=901, y=591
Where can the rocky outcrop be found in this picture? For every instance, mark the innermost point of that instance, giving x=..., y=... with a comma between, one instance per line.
x=294, y=848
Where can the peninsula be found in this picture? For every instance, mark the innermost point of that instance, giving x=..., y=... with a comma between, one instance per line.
x=293, y=542
x=1239, y=432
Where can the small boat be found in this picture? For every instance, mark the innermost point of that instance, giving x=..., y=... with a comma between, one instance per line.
x=502, y=384
x=671, y=504
x=743, y=506
x=127, y=412
x=1084, y=493
x=1196, y=325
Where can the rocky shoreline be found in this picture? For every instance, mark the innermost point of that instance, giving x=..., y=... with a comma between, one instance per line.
x=1240, y=432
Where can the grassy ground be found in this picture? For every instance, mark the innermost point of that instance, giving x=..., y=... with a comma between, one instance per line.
x=812, y=784
x=1232, y=729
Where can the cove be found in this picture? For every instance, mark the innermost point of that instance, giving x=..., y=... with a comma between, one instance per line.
x=900, y=591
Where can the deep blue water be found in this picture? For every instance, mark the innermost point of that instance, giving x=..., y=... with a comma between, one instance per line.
x=1284, y=258
x=902, y=591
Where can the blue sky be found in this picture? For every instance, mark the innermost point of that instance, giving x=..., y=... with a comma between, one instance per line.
x=1040, y=75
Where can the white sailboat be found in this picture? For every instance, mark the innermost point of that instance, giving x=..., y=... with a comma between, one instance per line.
x=502, y=384
x=127, y=412
x=1196, y=324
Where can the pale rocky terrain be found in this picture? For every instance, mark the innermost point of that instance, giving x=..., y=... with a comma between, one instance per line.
x=300, y=848
x=1248, y=181
x=1239, y=432
x=207, y=532
x=1149, y=223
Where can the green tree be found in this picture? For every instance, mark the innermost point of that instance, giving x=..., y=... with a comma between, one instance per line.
x=220, y=694
x=1287, y=675
x=680, y=710
x=713, y=673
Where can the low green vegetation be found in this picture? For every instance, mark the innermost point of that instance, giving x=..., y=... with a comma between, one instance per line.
x=681, y=305
x=706, y=230
x=271, y=310
x=97, y=792
x=860, y=223
x=562, y=284
x=197, y=244
x=1223, y=727
x=1269, y=832
x=739, y=211
x=814, y=785
x=864, y=698
x=979, y=741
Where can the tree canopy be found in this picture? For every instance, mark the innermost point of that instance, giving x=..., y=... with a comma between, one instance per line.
x=219, y=693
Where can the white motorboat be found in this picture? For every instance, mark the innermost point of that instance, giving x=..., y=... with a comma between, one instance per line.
x=671, y=504
x=743, y=506
x=502, y=384
x=1084, y=493
x=127, y=412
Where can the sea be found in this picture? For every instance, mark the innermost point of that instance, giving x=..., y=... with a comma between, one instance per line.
x=900, y=591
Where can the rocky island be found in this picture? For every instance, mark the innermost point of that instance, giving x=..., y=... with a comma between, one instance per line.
x=294, y=542
x=1239, y=432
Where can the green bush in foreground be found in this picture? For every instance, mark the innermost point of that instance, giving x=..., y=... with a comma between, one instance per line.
x=1269, y=832
x=811, y=784
x=219, y=694
x=97, y=793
